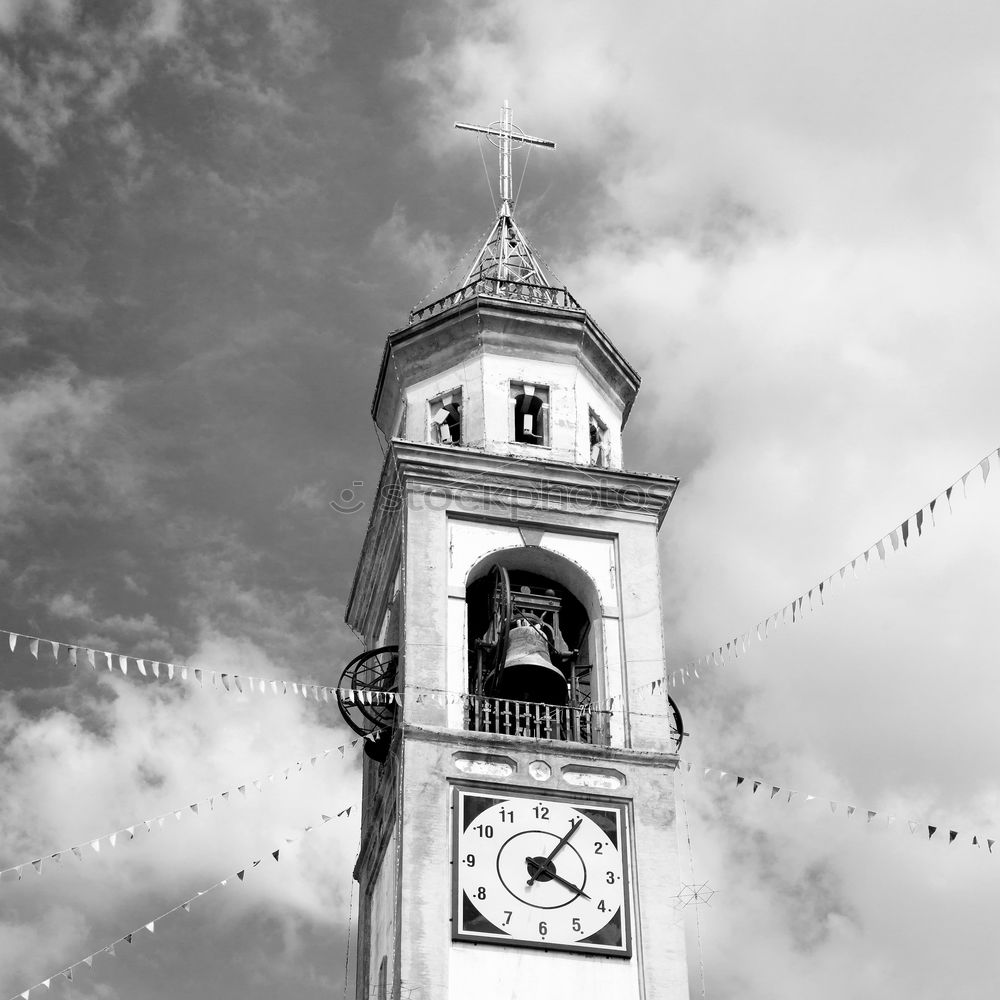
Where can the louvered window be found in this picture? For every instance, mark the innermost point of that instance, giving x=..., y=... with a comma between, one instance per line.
x=598, y=441
x=529, y=413
x=446, y=418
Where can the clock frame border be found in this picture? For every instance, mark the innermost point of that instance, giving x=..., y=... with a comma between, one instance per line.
x=622, y=806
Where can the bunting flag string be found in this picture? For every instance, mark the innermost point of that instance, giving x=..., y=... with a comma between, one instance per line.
x=901, y=536
x=785, y=796
x=160, y=670
x=150, y=926
x=128, y=833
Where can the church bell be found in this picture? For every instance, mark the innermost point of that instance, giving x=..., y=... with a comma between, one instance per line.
x=528, y=672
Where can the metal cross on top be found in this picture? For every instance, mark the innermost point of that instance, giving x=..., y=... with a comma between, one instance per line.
x=504, y=134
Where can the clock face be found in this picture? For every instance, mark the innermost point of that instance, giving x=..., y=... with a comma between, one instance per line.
x=543, y=872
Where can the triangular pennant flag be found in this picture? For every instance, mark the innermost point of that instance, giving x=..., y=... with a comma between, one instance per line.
x=90, y=659
x=790, y=794
x=128, y=937
x=931, y=830
x=178, y=814
x=19, y=869
x=123, y=663
x=295, y=687
x=156, y=667
x=952, y=834
x=225, y=796
x=345, y=812
x=833, y=806
x=225, y=680
x=984, y=465
x=850, y=810
x=756, y=785
x=965, y=491
x=77, y=852
x=240, y=874
x=55, y=648
x=774, y=790
x=107, y=658
x=37, y=865
x=881, y=549
x=12, y=638
x=325, y=818
x=242, y=789
x=96, y=845
x=912, y=825
x=197, y=674
x=989, y=844
x=141, y=664
x=150, y=926
x=110, y=949
x=111, y=838
x=739, y=780
x=236, y=681
x=257, y=862
x=72, y=656
x=68, y=973
x=809, y=798
x=130, y=830
x=871, y=814
x=89, y=961
x=33, y=648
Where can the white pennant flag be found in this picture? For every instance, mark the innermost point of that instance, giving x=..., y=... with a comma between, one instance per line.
x=90, y=659
x=123, y=663
x=141, y=664
x=33, y=648
x=12, y=637
x=107, y=656
x=156, y=668
x=72, y=656
x=55, y=649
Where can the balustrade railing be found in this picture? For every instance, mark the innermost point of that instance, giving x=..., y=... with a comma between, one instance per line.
x=570, y=723
x=522, y=291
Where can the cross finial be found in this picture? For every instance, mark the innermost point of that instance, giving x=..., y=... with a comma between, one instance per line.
x=504, y=134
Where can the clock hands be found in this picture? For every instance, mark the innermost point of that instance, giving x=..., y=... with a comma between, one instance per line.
x=546, y=865
x=537, y=865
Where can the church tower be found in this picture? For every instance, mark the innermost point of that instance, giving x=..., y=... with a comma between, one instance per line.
x=518, y=831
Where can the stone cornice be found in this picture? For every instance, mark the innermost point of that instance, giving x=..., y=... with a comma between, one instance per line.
x=466, y=479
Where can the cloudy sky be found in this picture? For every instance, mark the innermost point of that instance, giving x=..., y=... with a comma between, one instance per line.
x=786, y=215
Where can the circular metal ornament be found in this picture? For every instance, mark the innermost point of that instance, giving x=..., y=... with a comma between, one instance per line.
x=364, y=684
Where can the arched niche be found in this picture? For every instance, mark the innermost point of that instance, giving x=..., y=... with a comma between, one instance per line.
x=580, y=617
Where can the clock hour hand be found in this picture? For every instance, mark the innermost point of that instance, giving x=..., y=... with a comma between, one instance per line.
x=539, y=868
x=555, y=850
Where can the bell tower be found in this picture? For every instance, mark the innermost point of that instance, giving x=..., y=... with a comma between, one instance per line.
x=518, y=831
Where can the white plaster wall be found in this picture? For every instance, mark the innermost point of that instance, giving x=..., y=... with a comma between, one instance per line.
x=468, y=377
x=485, y=384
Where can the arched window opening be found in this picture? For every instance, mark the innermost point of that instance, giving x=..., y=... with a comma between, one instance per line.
x=530, y=671
x=530, y=413
x=446, y=418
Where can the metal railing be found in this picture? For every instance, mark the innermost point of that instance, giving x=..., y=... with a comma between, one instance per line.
x=522, y=291
x=570, y=723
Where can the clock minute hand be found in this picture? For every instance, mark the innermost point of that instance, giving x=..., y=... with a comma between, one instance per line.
x=555, y=850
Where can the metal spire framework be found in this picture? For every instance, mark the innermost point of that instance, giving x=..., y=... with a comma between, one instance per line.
x=506, y=266
x=506, y=254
